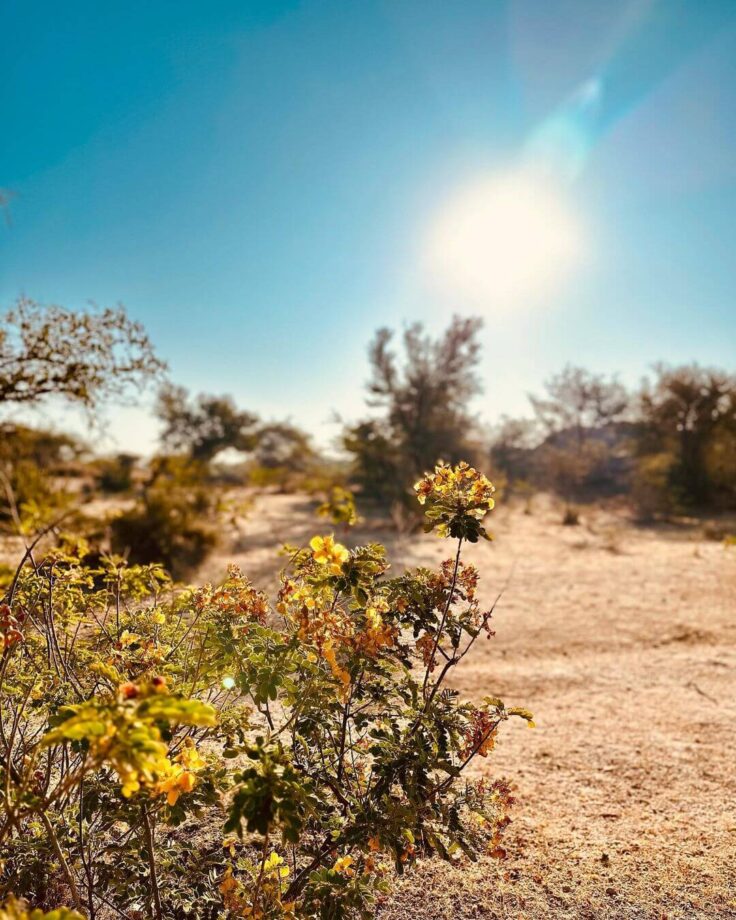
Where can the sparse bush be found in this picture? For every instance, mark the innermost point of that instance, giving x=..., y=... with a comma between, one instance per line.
x=189, y=753
x=339, y=507
x=205, y=426
x=651, y=486
x=115, y=474
x=172, y=522
x=84, y=357
x=30, y=463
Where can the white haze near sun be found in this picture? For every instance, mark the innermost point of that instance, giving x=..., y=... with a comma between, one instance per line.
x=501, y=241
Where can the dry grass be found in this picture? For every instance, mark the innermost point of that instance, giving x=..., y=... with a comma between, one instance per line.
x=626, y=805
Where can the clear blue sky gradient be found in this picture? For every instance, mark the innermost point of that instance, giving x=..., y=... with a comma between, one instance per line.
x=251, y=179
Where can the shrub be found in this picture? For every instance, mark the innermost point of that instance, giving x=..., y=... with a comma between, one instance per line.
x=689, y=412
x=31, y=461
x=339, y=507
x=115, y=474
x=171, y=522
x=651, y=485
x=200, y=753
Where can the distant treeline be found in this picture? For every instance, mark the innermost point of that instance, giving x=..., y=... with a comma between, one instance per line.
x=668, y=447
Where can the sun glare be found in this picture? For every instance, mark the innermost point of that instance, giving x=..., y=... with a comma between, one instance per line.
x=503, y=240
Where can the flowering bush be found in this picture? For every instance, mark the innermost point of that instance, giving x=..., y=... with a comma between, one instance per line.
x=204, y=753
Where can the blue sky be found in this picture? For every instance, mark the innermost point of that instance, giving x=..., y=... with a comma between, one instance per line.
x=255, y=181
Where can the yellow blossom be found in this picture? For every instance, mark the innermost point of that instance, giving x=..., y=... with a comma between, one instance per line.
x=274, y=865
x=128, y=638
x=189, y=757
x=179, y=781
x=344, y=865
x=326, y=552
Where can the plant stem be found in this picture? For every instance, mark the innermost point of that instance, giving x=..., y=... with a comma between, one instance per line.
x=70, y=880
x=157, y=913
x=438, y=637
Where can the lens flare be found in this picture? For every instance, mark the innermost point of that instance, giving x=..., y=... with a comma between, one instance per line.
x=503, y=240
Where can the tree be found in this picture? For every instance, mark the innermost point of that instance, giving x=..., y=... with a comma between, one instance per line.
x=84, y=357
x=578, y=414
x=283, y=446
x=690, y=412
x=423, y=405
x=512, y=447
x=204, y=426
x=578, y=400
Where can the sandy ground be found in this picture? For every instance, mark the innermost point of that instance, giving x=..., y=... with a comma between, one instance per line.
x=622, y=640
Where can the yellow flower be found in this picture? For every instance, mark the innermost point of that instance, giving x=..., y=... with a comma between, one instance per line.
x=344, y=865
x=158, y=617
x=274, y=864
x=175, y=784
x=326, y=552
x=130, y=785
x=189, y=757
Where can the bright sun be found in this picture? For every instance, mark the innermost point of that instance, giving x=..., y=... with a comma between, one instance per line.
x=503, y=240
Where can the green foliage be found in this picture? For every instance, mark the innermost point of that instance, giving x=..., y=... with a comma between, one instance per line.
x=270, y=795
x=31, y=461
x=13, y=909
x=183, y=752
x=339, y=507
x=689, y=413
x=205, y=426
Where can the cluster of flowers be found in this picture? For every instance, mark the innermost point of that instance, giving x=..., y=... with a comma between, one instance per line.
x=456, y=499
x=124, y=731
x=462, y=484
x=310, y=600
x=236, y=597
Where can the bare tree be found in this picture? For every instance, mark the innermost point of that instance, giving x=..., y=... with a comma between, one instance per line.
x=84, y=357
x=578, y=400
